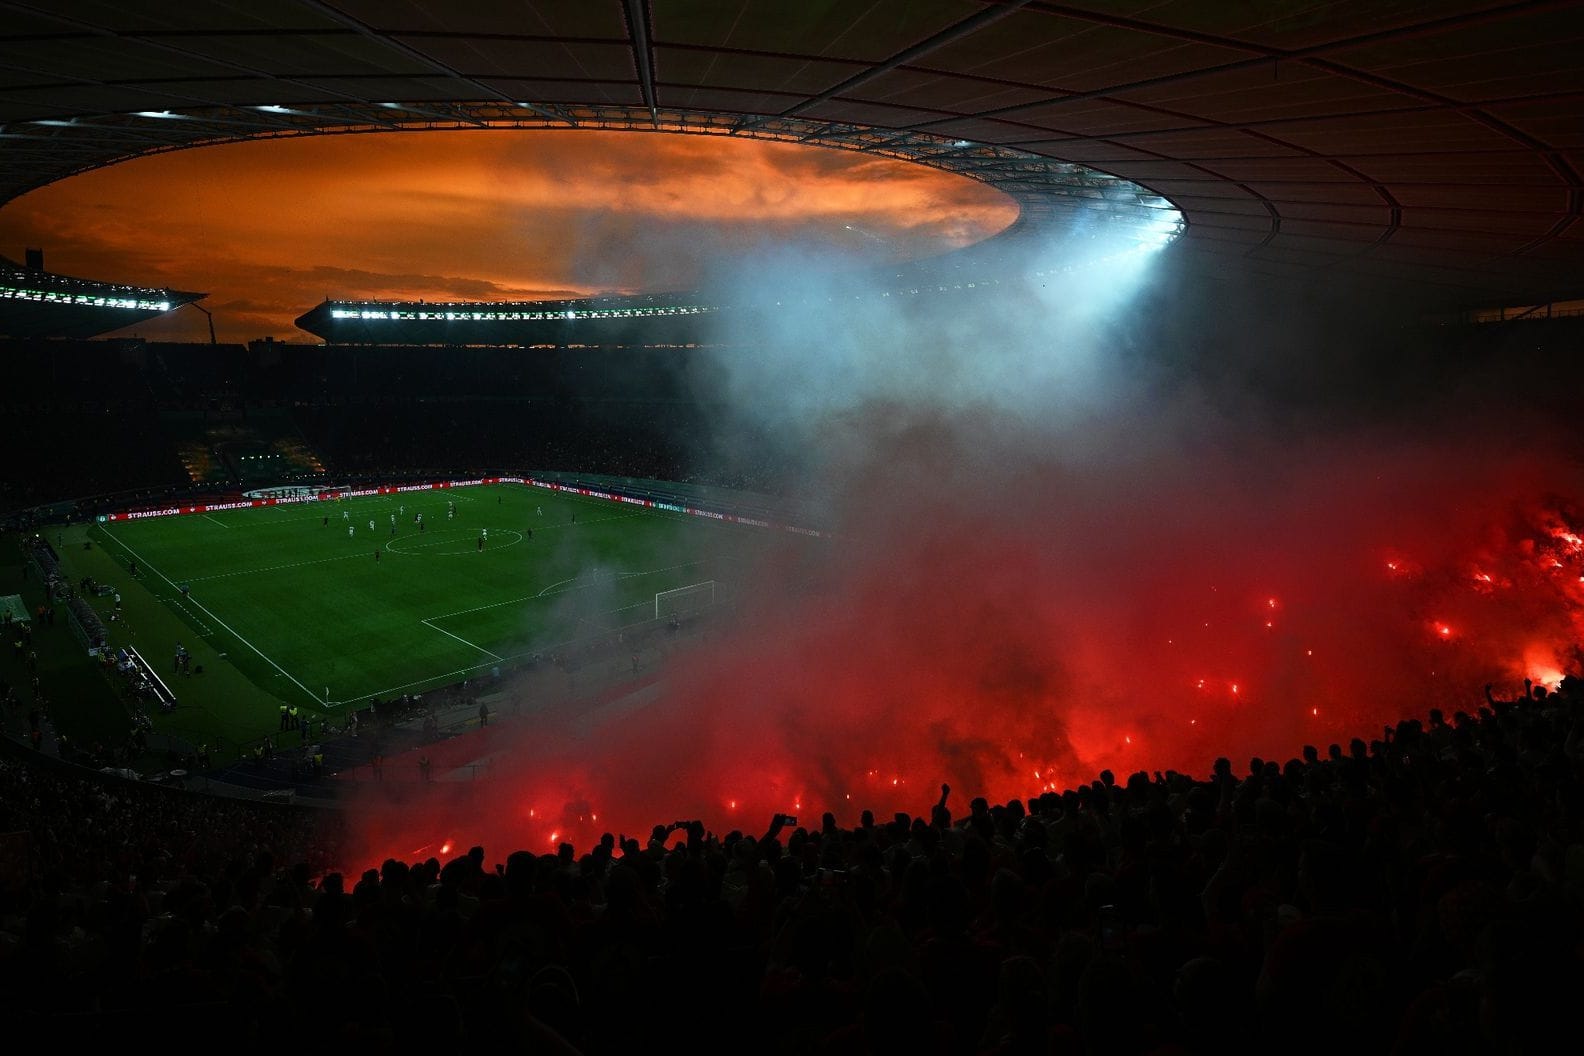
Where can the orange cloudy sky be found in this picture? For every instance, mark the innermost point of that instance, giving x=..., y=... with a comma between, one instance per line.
x=269, y=229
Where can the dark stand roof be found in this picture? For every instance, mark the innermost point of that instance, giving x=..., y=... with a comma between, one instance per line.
x=1432, y=145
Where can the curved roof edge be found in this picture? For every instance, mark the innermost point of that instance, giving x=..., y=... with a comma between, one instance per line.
x=1054, y=198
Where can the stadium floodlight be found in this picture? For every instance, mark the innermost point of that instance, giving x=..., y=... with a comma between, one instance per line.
x=1158, y=234
x=515, y=311
x=85, y=299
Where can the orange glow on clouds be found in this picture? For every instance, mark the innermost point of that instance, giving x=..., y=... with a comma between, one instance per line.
x=269, y=229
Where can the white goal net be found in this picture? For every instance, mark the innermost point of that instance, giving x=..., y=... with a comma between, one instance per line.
x=685, y=601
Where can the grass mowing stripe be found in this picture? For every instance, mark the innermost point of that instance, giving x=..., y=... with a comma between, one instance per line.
x=191, y=601
x=203, y=628
x=318, y=604
x=271, y=568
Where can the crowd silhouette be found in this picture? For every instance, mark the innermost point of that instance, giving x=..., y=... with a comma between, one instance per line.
x=1415, y=892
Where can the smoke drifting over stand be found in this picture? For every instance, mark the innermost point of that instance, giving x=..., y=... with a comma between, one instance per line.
x=1121, y=517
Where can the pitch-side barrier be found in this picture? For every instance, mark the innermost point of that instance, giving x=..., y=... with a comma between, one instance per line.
x=331, y=494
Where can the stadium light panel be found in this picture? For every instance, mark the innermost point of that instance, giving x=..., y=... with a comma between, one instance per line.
x=88, y=300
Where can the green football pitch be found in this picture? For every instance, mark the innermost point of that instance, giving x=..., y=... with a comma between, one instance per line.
x=294, y=600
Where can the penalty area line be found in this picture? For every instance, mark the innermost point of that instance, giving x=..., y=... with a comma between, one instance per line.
x=467, y=671
x=461, y=639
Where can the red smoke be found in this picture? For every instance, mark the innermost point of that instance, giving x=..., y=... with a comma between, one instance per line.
x=1012, y=626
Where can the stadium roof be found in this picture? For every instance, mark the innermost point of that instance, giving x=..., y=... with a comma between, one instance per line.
x=38, y=303
x=1437, y=145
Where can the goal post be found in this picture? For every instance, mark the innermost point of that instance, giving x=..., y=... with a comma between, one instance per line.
x=685, y=601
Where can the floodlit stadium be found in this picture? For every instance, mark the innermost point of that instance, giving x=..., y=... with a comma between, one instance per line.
x=960, y=526
x=36, y=303
x=421, y=590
